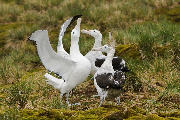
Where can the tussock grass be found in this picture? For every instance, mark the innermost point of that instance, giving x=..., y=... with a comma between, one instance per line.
x=151, y=38
x=9, y=12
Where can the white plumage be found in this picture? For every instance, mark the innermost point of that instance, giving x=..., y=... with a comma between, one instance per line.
x=73, y=68
x=55, y=82
x=93, y=55
x=97, y=58
x=60, y=48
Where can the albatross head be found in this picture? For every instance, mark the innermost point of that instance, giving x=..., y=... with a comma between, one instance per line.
x=94, y=33
x=75, y=33
x=105, y=48
x=38, y=35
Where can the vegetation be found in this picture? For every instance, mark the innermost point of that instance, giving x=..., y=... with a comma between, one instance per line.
x=147, y=34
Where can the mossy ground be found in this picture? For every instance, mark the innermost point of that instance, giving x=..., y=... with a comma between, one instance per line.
x=104, y=113
x=147, y=33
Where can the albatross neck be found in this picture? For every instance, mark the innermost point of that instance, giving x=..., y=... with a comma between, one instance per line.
x=97, y=42
x=74, y=49
x=109, y=59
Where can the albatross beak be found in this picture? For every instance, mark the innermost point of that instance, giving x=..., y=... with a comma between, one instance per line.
x=78, y=22
x=85, y=31
x=77, y=27
x=97, y=49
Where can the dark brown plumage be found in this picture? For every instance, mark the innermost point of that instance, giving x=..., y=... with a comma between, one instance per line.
x=116, y=63
x=110, y=81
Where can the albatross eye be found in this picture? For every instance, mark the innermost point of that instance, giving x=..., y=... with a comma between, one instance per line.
x=73, y=32
x=94, y=31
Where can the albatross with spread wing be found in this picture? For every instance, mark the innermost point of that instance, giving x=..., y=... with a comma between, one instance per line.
x=73, y=68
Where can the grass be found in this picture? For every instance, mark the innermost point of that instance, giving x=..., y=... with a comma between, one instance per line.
x=147, y=34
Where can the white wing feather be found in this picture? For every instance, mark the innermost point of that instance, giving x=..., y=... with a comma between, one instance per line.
x=52, y=61
x=55, y=82
x=60, y=48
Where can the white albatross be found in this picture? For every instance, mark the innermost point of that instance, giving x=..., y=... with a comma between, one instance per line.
x=73, y=68
x=60, y=48
x=93, y=55
x=97, y=58
x=106, y=80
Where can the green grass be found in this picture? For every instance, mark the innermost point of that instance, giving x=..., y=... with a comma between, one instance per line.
x=147, y=34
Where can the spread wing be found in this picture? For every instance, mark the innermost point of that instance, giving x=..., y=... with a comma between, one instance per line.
x=60, y=48
x=58, y=63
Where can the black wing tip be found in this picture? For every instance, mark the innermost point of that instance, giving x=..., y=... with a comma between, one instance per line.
x=75, y=18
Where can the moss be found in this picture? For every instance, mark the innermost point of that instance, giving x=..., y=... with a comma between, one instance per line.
x=63, y=114
x=121, y=113
x=132, y=51
x=139, y=110
x=128, y=51
x=172, y=118
x=153, y=117
x=105, y=113
x=131, y=112
x=170, y=114
x=172, y=13
x=136, y=118
x=84, y=117
x=95, y=113
x=148, y=117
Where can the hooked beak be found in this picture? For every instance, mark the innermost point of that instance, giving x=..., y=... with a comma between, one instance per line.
x=97, y=49
x=77, y=27
x=79, y=21
x=85, y=31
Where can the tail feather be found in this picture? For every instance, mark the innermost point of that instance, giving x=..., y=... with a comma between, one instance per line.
x=55, y=82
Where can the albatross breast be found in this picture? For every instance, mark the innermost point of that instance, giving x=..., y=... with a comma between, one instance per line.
x=108, y=80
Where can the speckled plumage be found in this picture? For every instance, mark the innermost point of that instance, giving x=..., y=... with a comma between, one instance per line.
x=117, y=63
x=107, y=79
x=110, y=81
